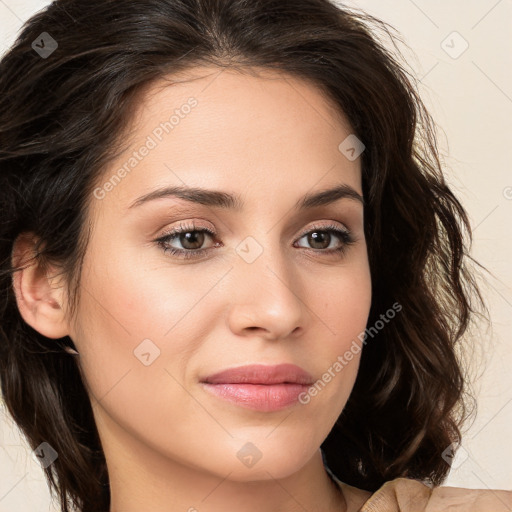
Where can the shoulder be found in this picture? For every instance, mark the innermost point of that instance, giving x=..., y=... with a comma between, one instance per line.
x=408, y=495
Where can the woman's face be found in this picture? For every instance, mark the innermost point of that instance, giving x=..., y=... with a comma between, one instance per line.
x=269, y=287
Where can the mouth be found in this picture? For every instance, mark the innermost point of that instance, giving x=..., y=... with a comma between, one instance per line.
x=260, y=387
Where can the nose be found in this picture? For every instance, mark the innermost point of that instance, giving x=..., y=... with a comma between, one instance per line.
x=267, y=298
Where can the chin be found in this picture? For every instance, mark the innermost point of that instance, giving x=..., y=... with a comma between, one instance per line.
x=264, y=459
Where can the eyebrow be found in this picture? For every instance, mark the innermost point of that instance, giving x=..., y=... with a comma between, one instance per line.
x=225, y=200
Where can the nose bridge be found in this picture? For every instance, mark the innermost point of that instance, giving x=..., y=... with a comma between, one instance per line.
x=263, y=260
x=267, y=295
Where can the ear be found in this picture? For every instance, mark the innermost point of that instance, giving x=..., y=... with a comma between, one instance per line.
x=40, y=294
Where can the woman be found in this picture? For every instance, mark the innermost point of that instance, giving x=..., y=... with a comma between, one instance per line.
x=233, y=274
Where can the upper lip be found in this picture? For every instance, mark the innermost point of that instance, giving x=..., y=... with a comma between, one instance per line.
x=262, y=374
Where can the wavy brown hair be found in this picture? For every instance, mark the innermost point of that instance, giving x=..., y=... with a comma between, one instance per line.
x=64, y=117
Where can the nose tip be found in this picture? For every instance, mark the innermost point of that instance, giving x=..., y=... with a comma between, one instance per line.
x=272, y=311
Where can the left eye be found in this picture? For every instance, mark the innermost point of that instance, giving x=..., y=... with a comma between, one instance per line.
x=193, y=238
x=319, y=236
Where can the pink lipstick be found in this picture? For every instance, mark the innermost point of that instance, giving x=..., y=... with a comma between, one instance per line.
x=260, y=387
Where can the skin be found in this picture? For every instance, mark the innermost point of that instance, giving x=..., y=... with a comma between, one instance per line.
x=170, y=445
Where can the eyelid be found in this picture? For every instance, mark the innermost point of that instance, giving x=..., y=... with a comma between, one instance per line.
x=186, y=226
x=330, y=224
x=191, y=225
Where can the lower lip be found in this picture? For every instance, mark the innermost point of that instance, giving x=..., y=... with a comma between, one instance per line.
x=260, y=397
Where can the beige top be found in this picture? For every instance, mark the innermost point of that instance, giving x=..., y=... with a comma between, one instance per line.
x=407, y=495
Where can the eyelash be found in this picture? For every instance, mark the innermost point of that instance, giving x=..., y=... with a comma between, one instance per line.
x=345, y=236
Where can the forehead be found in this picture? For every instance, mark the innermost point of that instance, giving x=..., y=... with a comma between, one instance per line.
x=250, y=90
x=226, y=129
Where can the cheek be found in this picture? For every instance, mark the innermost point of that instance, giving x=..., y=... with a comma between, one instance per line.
x=132, y=313
x=128, y=362
x=343, y=302
x=132, y=300
x=343, y=306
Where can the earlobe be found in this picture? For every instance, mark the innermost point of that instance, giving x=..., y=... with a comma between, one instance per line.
x=39, y=294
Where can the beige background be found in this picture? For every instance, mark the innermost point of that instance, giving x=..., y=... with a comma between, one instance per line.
x=469, y=94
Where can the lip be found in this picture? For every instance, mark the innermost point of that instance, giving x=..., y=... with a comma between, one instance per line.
x=260, y=387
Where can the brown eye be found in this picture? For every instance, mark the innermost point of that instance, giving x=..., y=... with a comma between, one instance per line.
x=192, y=240
x=319, y=239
